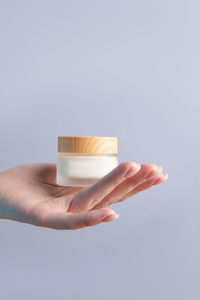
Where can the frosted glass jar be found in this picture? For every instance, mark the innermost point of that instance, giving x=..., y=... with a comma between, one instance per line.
x=82, y=160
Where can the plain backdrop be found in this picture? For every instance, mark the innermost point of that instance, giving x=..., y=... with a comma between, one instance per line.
x=113, y=68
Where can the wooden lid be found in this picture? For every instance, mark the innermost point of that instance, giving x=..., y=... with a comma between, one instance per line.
x=88, y=144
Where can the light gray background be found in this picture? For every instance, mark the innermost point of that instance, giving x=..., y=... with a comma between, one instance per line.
x=115, y=68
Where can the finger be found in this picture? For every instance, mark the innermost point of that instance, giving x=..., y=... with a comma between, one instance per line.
x=160, y=180
x=146, y=171
x=64, y=220
x=146, y=185
x=87, y=198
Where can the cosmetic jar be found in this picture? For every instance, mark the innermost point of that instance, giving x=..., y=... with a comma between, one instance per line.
x=82, y=160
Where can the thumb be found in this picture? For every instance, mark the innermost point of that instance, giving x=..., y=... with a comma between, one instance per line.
x=65, y=220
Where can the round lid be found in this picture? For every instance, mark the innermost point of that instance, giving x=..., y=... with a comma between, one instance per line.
x=88, y=144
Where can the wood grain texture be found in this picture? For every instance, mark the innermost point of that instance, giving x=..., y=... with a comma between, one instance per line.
x=88, y=144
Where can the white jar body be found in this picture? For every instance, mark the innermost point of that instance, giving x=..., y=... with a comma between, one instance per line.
x=83, y=170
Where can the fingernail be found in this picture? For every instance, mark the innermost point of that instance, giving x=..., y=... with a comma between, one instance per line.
x=133, y=171
x=110, y=218
x=159, y=169
x=165, y=176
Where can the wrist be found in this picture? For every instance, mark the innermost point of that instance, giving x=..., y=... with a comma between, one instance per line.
x=4, y=208
x=10, y=207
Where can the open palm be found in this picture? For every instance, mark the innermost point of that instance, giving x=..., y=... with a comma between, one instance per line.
x=29, y=193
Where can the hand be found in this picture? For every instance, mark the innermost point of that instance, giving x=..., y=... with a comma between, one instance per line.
x=29, y=194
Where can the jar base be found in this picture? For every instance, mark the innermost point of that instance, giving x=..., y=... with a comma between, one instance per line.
x=79, y=182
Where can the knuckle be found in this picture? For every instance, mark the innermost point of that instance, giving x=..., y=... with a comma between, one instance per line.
x=126, y=165
x=87, y=222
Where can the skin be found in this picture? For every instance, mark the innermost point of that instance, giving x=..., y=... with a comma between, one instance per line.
x=29, y=194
